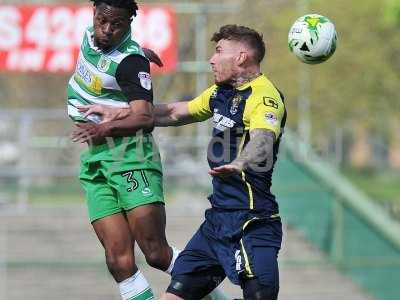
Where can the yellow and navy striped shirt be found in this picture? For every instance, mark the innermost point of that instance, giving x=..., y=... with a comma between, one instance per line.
x=235, y=112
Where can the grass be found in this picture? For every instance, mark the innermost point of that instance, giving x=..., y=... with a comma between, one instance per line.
x=380, y=186
x=66, y=191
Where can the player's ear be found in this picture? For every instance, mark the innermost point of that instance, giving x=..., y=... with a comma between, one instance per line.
x=242, y=57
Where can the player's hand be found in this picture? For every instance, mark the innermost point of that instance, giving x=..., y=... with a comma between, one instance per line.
x=226, y=170
x=89, y=133
x=153, y=57
x=107, y=113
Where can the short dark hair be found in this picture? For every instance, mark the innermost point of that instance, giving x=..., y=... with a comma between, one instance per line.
x=242, y=34
x=129, y=5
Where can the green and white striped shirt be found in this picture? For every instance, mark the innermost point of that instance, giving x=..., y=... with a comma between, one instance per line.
x=94, y=79
x=94, y=82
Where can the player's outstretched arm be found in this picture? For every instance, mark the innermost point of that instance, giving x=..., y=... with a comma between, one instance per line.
x=172, y=114
x=140, y=118
x=260, y=149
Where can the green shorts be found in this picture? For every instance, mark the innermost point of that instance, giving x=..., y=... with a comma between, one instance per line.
x=110, y=191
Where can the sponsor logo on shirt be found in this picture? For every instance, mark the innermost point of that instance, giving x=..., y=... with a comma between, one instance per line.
x=221, y=122
x=145, y=80
x=238, y=259
x=84, y=76
x=83, y=72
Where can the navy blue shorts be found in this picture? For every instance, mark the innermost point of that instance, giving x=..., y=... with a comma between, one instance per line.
x=238, y=244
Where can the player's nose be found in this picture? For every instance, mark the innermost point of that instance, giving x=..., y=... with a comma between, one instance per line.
x=107, y=29
x=212, y=60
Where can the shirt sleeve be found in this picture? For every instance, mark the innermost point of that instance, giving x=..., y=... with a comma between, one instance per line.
x=133, y=76
x=199, y=107
x=266, y=111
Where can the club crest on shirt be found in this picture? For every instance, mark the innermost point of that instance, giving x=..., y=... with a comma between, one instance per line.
x=104, y=64
x=235, y=104
x=145, y=80
x=214, y=94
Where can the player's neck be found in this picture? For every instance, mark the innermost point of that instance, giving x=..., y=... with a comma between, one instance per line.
x=245, y=77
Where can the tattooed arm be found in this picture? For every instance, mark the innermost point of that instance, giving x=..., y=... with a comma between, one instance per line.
x=260, y=149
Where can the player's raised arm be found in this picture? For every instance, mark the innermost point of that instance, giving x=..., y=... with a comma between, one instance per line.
x=185, y=112
x=152, y=57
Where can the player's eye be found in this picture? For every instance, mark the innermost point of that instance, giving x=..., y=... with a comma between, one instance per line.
x=116, y=25
x=101, y=20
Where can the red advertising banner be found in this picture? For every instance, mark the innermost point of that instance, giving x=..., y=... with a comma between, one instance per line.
x=47, y=38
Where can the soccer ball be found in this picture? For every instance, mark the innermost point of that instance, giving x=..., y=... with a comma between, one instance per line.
x=312, y=38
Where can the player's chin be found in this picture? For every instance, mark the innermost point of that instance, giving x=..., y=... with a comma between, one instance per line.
x=104, y=44
x=220, y=81
x=216, y=77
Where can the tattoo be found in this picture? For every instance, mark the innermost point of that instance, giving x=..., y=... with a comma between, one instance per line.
x=242, y=79
x=259, y=150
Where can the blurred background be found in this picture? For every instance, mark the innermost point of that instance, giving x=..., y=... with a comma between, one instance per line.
x=337, y=179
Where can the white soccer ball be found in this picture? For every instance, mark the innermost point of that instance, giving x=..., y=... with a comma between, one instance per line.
x=312, y=38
